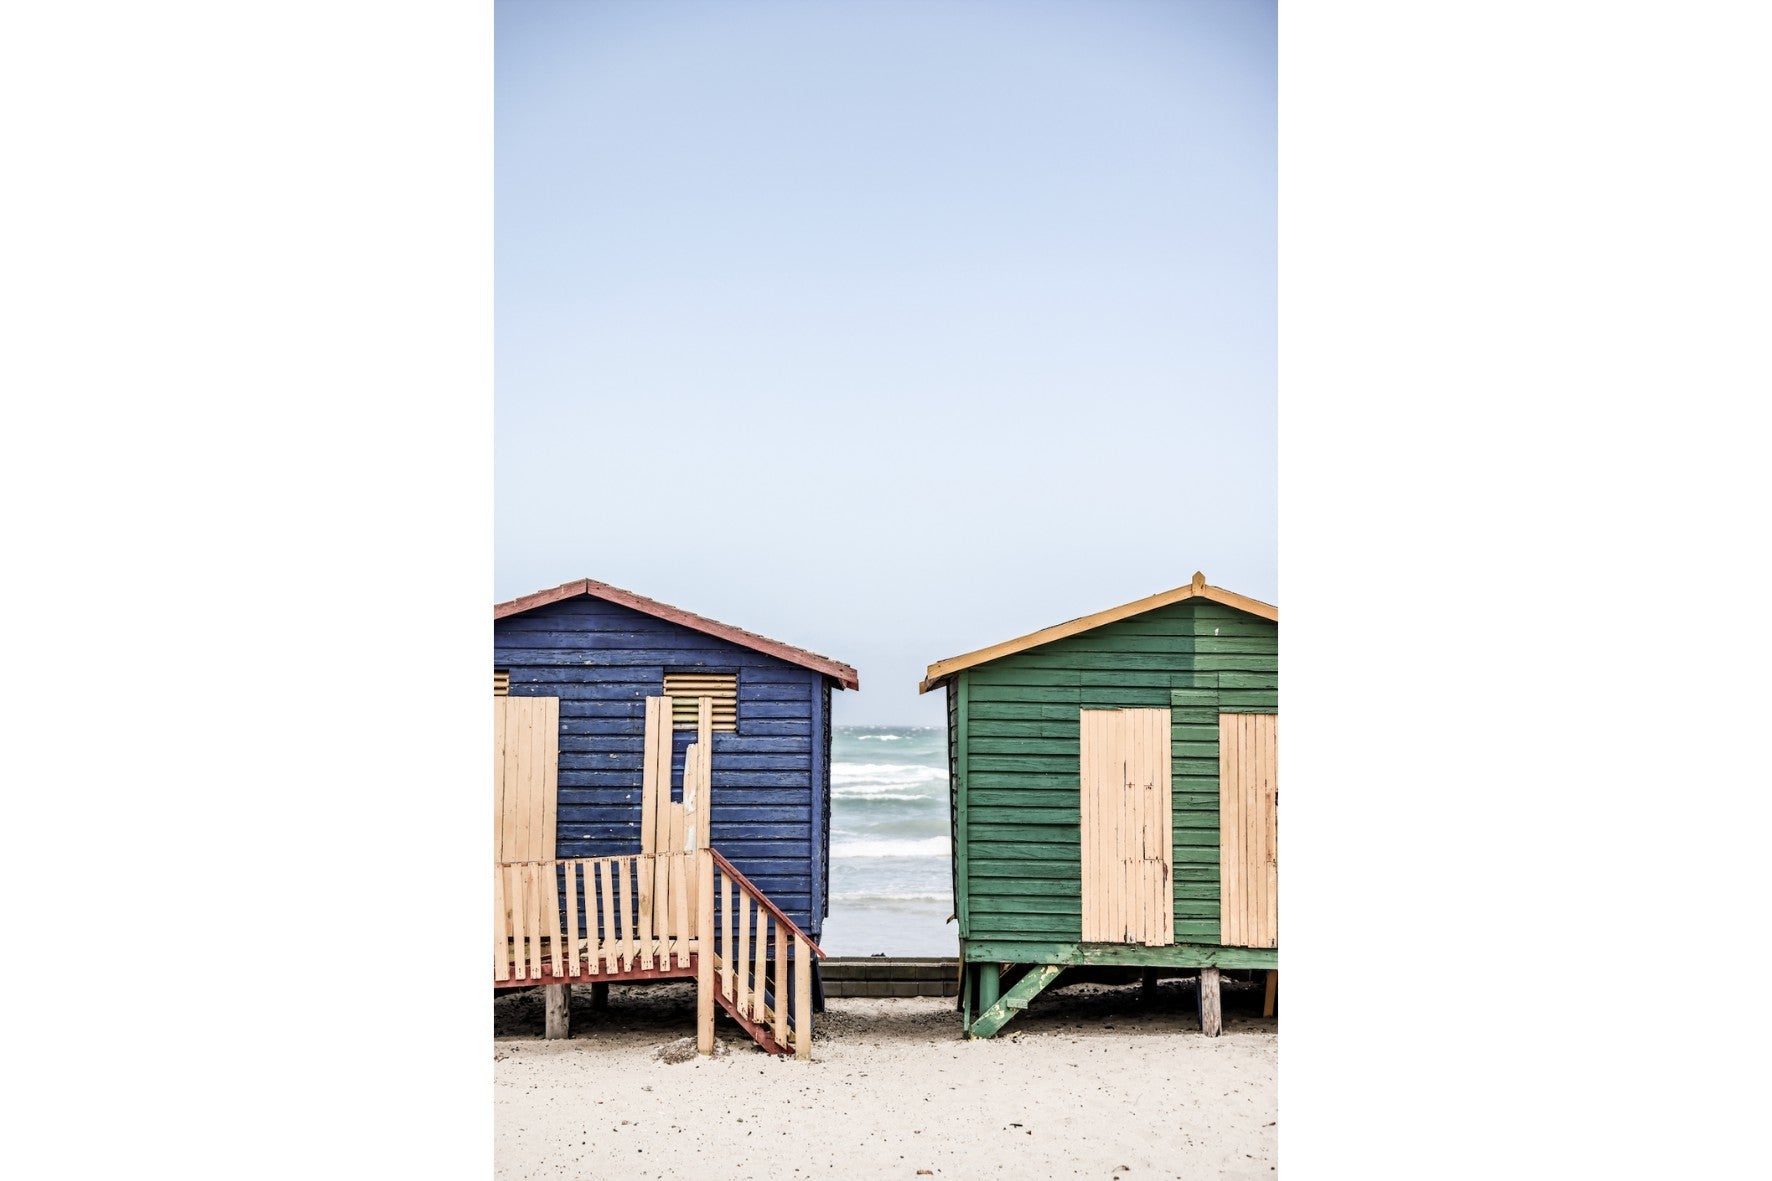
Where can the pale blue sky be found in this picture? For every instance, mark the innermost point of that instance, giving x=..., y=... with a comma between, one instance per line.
x=890, y=330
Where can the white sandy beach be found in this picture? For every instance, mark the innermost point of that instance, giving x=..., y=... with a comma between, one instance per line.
x=1088, y=1082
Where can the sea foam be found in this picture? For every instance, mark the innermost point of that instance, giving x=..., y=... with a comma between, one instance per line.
x=927, y=847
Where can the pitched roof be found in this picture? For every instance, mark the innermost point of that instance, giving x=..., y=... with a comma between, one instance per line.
x=941, y=670
x=841, y=673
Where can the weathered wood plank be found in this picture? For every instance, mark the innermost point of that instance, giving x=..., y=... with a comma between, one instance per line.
x=549, y=876
x=501, y=927
x=558, y=1016
x=533, y=887
x=802, y=998
x=535, y=784
x=611, y=941
x=760, y=969
x=704, y=960
x=1211, y=1013
x=727, y=945
x=498, y=781
x=1230, y=856
x=1165, y=842
x=742, y=961
x=571, y=872
x=649, y=774
x=519, y=921
x=549, y=754
x=680, y=879
x=1270, y=727
x=781, y=986
x=632, y=913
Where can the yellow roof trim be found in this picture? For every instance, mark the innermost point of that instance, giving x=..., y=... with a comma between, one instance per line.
x=941, y=670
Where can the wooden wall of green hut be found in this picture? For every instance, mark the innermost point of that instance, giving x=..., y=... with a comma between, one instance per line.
x=1013, y=741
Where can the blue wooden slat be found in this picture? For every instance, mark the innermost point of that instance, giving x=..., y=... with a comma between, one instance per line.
x=783, y=781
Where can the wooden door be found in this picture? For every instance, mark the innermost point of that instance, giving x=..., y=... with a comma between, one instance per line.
x=1248, y=830
x=1127, y=893
x=525, y=777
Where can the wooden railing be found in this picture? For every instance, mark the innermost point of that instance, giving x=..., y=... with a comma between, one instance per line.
x=594, y=916
x=751, y=971
x=654, y=914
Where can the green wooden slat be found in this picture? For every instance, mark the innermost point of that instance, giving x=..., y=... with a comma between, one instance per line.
x=1065, y=747
x=1033, y=797
x=988, y=834
x=1024, y=711
x=1024, y=728
x=1024, y=676
x=1127, y=698
x=1174, y=664
x=989, y=694
x=997, y=926
x=1023, y=780
x=1029, y=851
x=1032, y=887
x=995, y=904
x=1254, y=663
x=985, y=864
x=1026, y=815
x=1060, y=952
x=1056, y=763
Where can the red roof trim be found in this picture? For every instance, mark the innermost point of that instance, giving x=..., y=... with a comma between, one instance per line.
x=841, y=673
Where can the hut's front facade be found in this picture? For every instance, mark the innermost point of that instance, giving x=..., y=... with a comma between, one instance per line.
x=1113, y=797
x=637, y=741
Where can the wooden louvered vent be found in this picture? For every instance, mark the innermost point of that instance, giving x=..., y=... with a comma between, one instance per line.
x=501, y=682
x=684, y=688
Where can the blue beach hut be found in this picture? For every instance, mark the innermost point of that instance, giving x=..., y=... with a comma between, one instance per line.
x=600, y=652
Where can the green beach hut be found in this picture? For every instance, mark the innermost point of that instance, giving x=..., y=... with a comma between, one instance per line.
x=1113, y=798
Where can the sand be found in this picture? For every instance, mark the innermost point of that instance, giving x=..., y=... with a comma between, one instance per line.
x=1088, y=1082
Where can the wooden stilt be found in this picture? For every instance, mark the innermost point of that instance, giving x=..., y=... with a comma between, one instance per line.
x=1211, y=1016
x=989, y=977
x=1270, y=1001
x=600, y=995
x=704, y=958
x=803, y=998
x=1147, y=990
x=559, y=1009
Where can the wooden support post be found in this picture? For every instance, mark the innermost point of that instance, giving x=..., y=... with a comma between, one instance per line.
x=802, y=998
x=600, y=995
x=704, y=955
x=1147, y=989
x=1273, y=992
x=989, y=977
x=1211, y=1017
x=558, y=999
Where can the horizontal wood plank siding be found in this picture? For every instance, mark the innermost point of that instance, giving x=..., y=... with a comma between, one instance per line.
x=1019, y=829
x=602, y=660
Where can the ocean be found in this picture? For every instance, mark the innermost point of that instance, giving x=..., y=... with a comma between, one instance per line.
x=891, y=881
